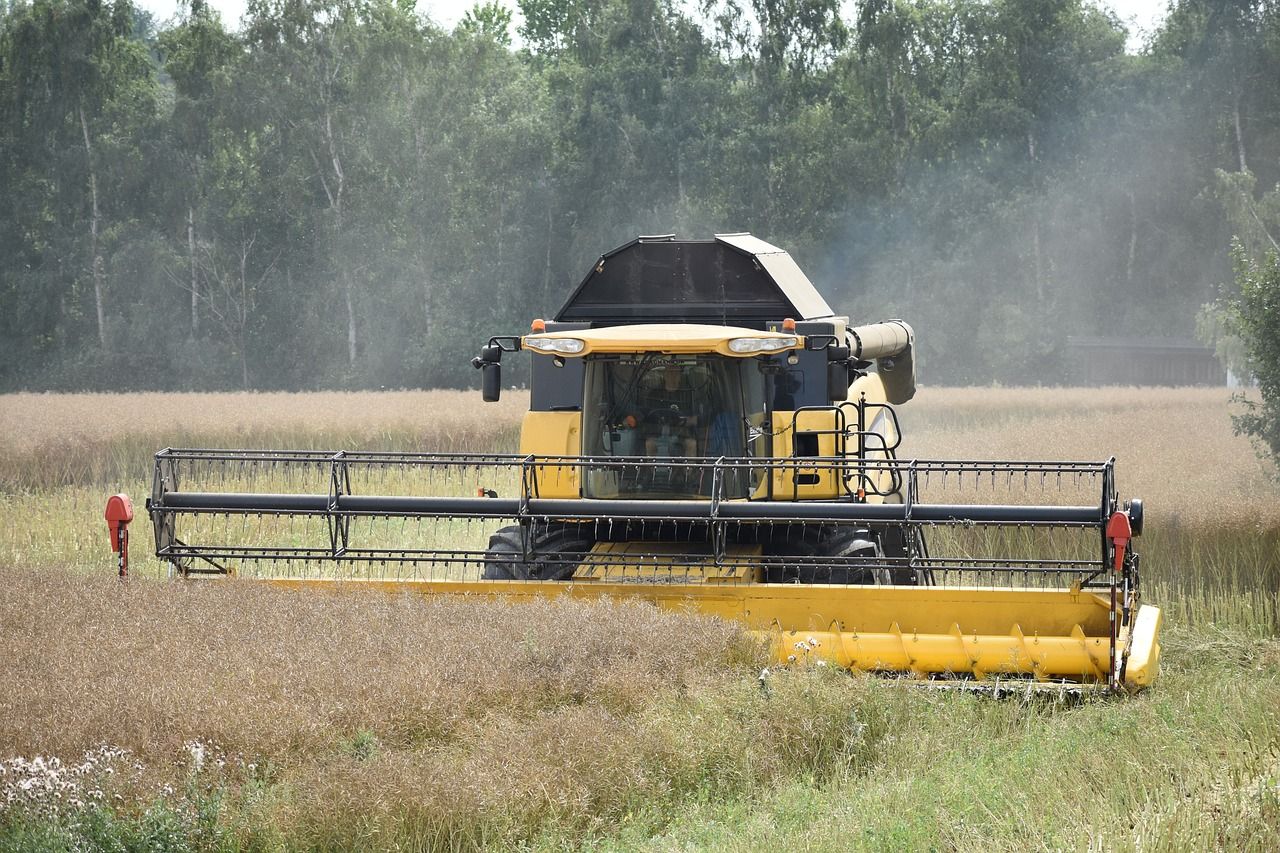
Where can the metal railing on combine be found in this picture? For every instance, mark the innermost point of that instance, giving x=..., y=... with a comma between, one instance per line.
x=431, y=516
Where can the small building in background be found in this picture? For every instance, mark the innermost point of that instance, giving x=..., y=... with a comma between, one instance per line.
x=1143, y=361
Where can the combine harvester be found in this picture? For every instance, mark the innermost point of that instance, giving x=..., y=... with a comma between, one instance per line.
x=706, y=434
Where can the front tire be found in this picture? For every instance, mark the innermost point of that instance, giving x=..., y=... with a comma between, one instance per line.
x=853, y=551
x=555, y=551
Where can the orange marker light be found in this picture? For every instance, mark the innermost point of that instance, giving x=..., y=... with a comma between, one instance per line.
x=538, y=326
x=788, y=325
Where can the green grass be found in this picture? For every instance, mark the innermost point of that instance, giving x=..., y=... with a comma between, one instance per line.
x=1191, y=766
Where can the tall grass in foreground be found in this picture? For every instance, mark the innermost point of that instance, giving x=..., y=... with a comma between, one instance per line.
x=234, y=716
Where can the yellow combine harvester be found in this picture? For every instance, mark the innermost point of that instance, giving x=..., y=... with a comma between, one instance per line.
x=706, y=433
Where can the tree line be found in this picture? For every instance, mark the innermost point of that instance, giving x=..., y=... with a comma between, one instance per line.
x=342, y=194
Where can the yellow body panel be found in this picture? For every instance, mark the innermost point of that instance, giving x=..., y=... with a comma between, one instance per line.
x=1045, y=634
x=825, y=481
x=674, y=338
x=870, y=387
x=806, y=482
x=553, y=434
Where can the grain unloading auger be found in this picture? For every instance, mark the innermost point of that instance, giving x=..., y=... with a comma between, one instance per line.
x=705, y=433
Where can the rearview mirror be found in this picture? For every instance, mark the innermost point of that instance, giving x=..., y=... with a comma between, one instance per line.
x=837, y=381
x=491, y=381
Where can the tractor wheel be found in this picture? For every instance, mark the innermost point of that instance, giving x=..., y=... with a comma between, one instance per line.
x=849, y=542
x=546, y=562
x=830, y=541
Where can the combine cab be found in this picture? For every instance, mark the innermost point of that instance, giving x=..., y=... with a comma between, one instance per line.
x=704, y=432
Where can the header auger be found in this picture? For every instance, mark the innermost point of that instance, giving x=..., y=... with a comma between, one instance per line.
x=705, y=432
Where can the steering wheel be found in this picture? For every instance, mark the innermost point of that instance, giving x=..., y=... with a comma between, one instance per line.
x=667, y=416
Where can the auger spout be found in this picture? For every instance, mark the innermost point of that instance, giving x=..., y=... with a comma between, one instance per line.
x=889, y=345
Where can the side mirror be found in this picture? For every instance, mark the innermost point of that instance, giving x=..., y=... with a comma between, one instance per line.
x=490, y=367
x=491, y=382
x=838, y=375
x=837, y=381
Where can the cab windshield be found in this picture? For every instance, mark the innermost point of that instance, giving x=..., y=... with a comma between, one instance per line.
x=667, y=408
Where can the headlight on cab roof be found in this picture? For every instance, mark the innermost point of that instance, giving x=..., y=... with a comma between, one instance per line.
x=571, y=346
x=745, y=345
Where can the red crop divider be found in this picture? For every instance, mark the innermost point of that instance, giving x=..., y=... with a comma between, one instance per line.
x=119, y=513
x=1120, y=532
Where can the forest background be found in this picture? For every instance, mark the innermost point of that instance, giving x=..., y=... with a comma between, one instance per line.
x=340, y=194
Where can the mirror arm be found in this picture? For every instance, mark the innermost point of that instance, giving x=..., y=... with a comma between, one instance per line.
x=506, y=343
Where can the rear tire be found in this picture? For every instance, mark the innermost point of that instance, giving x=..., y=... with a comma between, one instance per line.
x=548, y=547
